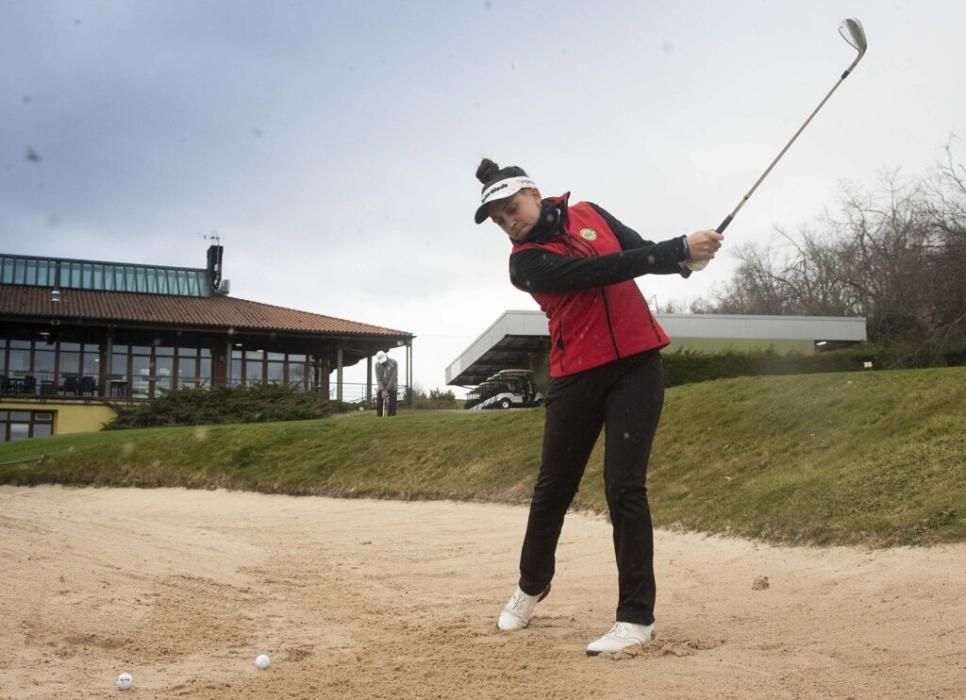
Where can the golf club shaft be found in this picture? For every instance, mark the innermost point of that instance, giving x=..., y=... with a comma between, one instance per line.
x=698, y=265
x=727, y=220
x=857, y=41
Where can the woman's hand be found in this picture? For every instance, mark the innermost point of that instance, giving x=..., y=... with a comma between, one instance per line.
x=704, y=244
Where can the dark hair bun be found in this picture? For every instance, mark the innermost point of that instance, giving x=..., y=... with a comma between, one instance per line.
x=487, y=171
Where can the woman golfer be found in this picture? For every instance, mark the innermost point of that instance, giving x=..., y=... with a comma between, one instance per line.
x=579, y=263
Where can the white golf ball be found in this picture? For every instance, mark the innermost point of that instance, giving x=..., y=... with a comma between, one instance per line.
x=124, y=681
x=262, y=661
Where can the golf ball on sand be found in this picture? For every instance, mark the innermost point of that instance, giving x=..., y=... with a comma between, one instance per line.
x=262, y=661
x=124, y=681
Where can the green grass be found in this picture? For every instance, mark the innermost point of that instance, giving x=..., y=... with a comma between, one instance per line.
x=874, y=458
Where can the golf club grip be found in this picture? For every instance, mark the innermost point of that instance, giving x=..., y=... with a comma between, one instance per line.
x=696, y=265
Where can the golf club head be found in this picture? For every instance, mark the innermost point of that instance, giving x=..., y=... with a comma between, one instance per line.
x=851, y=30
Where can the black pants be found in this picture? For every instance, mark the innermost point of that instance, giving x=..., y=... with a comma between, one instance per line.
x=388, y=405
x=627, y=397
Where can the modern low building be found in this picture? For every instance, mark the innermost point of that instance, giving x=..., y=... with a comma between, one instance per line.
x=79, y=337
x=521, y=339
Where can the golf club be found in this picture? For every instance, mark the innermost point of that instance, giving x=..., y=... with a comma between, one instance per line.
x=851, y=30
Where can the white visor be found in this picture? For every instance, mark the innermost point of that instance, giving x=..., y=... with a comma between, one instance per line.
x=501, y=189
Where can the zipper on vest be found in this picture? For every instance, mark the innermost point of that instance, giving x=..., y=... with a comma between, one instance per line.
x=592, y=252
x=560, y=345
x=578, y=244
x=570, y=243
x=603, y=295
x=610, y=328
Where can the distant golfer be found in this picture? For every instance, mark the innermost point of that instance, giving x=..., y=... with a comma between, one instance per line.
x=579, y=262
x=387, y=372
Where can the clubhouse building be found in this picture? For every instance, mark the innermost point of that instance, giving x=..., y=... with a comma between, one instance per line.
x=78, y=338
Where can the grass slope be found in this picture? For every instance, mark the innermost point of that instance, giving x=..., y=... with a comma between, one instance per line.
x=876, y=458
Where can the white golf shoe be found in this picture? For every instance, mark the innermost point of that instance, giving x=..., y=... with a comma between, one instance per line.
x=622, y=635
x=518, y=611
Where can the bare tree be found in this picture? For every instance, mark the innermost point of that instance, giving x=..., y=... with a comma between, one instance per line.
x=947, y=216
x=896, y=256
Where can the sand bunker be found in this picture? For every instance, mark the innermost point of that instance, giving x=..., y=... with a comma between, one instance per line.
x=379, y=599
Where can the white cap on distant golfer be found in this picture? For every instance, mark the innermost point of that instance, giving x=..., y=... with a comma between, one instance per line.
x=501, y=189
x=381, y=357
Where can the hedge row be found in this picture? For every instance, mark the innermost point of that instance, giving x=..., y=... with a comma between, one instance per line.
x=689, y=366
x=221, y=404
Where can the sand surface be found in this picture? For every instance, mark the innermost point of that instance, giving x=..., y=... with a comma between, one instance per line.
x=379, y=599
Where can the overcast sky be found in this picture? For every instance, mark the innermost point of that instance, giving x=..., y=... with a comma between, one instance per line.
x=333, y=145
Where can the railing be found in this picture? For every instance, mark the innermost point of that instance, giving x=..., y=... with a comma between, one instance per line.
x=355, y=393
x=115, y=386
x=42, y=384
x=252, y=383
x=139, y=387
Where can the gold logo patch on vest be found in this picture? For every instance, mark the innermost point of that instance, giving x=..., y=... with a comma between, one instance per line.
x=588, y=233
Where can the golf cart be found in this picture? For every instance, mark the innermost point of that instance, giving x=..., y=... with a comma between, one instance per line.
x=508, y=388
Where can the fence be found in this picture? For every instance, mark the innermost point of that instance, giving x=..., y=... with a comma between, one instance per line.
x=355, y=393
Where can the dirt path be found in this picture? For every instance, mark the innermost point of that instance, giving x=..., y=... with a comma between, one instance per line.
x=379, y=599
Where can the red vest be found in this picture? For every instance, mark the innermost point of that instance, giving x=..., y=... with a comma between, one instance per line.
x=594, y=326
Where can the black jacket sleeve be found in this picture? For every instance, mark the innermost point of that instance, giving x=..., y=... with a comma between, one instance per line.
x=542, y=271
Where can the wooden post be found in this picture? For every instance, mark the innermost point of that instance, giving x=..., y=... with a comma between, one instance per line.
x=409, y=373
x=368, y=380
x=104, y=370
x=338, y=373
